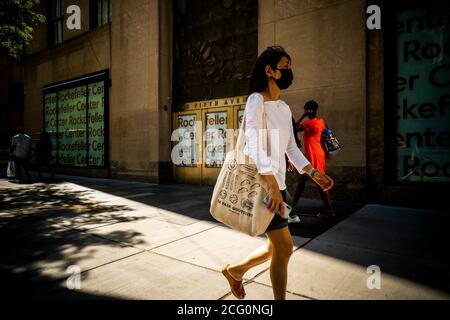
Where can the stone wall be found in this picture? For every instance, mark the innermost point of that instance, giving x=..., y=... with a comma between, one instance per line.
x=136, y=48
x=141, y=95
x=327, y=43
x=11, y=100
x=74, y=58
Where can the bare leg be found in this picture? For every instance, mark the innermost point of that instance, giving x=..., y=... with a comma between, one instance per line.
x=299, y=190
x=329, y=211
x=326, y=198
x=282, y=250
x=279, y=248
x=256, y=257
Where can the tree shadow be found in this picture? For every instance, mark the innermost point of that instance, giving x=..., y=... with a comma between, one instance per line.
x=178, y=198
x=194, y=202
x=39, y=240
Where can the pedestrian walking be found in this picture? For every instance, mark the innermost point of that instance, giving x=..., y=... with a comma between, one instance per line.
x=20, y=152
x=312, y=129
x=271, y=74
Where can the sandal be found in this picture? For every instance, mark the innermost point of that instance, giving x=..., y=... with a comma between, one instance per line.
x=232, y=282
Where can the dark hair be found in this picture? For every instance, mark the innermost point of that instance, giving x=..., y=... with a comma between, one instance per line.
x=271, y=56
x=20, y=130
x=311, y=105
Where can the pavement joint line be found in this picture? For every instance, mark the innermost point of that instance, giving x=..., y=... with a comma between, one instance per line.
x=169, y=257
x=193, y=264
x=86, y=232
x=288, y=291
x=59, y=224
x=137, y=195
x=104, y=225
x=225, y=295
x=203, y=267
x=268, y=286
x=182, y=261
x=57, y=280
x=300, y=295
x=185, y=237
x=78, y=228
x=113, y=261
x=132, y=246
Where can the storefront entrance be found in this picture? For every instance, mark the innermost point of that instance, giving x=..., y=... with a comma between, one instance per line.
x=204, y=131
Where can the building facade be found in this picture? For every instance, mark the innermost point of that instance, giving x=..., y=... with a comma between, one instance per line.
x=113, y=92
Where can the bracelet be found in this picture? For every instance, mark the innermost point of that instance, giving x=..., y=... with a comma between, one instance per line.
x=312, y=173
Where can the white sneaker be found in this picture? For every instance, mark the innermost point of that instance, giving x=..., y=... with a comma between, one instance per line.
x=294, y=219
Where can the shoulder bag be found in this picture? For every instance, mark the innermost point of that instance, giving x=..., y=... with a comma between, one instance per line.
x=330, y=143
x=237, y=199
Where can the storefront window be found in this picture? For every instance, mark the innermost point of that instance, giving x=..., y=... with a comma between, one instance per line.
x=187, y=124
x=216, y=139
x=72, y=126
x=240, y=115
x=96, y=124
x=50, y=116
x=423, y=93
x=74, y=114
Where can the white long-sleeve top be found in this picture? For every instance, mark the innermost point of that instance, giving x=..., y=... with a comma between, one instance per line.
x=280, y=138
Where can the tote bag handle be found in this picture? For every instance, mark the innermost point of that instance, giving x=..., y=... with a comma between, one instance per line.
x=241, y=136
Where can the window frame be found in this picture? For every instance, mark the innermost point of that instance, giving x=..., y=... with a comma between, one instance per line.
x=55, y=22
x=94, y=20
x=85, y=80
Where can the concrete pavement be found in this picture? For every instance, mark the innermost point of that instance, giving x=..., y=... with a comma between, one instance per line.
x=133, y=240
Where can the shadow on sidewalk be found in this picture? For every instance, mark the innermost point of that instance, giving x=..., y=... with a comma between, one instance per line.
x=194, y=200
x=37, y=243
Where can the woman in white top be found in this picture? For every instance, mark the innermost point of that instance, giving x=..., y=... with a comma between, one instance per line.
x=271, y=74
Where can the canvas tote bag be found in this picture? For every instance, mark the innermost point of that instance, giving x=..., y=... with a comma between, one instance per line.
x=237, y=199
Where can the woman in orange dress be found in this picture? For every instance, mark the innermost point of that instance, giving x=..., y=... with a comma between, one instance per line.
x=314, y=152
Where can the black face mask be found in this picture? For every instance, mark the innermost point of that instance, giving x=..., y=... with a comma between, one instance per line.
x=286, y=79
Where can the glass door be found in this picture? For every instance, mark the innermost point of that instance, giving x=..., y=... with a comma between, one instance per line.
x=218, y=130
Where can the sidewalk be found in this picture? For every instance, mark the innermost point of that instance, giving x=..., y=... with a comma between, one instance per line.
x=134, y=240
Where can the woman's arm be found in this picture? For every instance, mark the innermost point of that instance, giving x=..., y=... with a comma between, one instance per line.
x=301, y=118
x=303, y=166
x=298, y=125
x=296, y=156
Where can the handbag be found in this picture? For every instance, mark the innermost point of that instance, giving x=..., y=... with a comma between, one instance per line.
x=330, y=143
x=11, y=170
x=237, y=199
